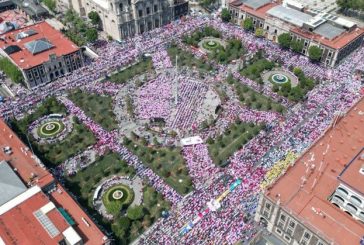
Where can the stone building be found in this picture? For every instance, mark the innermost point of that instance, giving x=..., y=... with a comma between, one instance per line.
x=319, y=200
x=41, y=53
x=335, y=36
x=126, y=18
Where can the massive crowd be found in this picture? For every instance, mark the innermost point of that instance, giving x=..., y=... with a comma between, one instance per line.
x=303, y=124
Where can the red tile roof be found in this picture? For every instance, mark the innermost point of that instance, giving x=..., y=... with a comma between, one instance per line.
x=25, y=59
x=351, y=175
x=328, y=157
x=260, y=12
x=20, y=226
x=25, y=165
x=22, y=159
x=336, y=43
x=90, y=234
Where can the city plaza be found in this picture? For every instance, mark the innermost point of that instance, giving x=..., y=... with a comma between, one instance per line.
x=222, y=134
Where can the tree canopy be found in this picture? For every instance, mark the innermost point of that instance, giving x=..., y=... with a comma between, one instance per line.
x=297, y=46
x=285, y=40
x=259, y=32
x=248, y=24
x=51, y=4
x=351, y=4
x=225, y=15
x=11, y=70
x=94, y=17
x=91, y=35
x=135, y=213
x=314, y=53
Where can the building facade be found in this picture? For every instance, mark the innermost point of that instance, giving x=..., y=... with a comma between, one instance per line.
x=335, y=36
x=283, y=225
x=53, y=68
x=319, y=199
x=126, y=18
x=41, y=53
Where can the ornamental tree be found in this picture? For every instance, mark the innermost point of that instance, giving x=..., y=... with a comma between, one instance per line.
x=314, y=53
x=225, y=15
x=285, y=40
x=248, y=24
x=297, y=46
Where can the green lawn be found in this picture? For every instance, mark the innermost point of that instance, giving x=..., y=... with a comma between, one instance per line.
x=167, y=162
x=97, y=107
x=77, y=141
x=234, y=50
x=125, y=230
x=254, y=70
x=233, y=139
x=54, y=154
x=253, y=99
x=140, y=68
x=187, y=59
x=114, y=206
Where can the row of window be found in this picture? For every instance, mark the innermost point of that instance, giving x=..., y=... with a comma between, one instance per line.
x=306, y=236
x=147, y=10
x=345, y=193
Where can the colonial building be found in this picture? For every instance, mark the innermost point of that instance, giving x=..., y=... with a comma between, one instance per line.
x=319, y=200
x=335, y=36
x=126, y=18
x=41, y=53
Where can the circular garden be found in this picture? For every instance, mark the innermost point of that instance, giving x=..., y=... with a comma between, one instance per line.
x=279, y=78
x=117, y=197
x=50, y=128
x=211, y=44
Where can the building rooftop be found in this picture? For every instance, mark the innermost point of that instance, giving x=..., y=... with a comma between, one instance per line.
x=337, y=42
x=305, y=188
x=260, y=12
x=31, y=7
x=37, y=43
x=31, y=219
x=255, y=4
x=289, y=15
x=21, y=158
x=353, y=174
x=85, y=227
x=10, y=184
x=14, y=16
x=329, y=31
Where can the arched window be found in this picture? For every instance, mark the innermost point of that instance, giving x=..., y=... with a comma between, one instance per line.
x=361, y=216
x=336, y=205
x=264, y=222
x=338, y=199
x=355, y=200
x=351, y=208
x=342, y=191
x=129, y=2
x=112, y=6
x=121, y=7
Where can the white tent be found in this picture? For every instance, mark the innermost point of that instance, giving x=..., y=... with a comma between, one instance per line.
x=191, y=141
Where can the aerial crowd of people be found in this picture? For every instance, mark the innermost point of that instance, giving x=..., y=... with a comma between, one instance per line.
x=294, y=132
